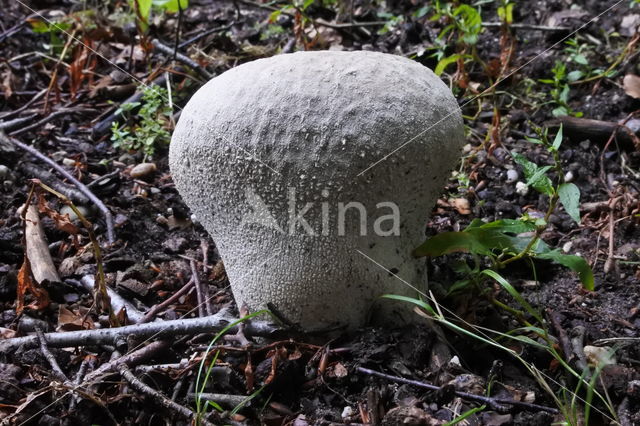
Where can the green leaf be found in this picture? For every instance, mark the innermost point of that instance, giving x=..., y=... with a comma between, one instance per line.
x=575, y=76
x=560, y=111
x=421, y=303
x=528, y=167
x=540, y=181
x=575, y=263
x=171, y=6
x=457, y=286
x=514, y=293
x=143, y=7
x=445, y=62
x=558, y=139
x=512, y=226
x=580, y=59
x=39, y=26
x=451, y=242
x=570, y=198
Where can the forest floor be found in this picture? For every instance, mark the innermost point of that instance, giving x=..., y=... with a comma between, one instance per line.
x=515, y=67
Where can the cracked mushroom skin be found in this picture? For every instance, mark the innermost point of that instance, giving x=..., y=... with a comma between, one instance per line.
x=315, y=173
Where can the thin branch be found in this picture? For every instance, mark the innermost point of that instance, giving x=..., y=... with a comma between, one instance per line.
x=191, y=326
x=493, y=402
x=158, y=397
x=48, y=118
x=182, y=58
x=111, y=237
x=151, y=313
x=55, y=367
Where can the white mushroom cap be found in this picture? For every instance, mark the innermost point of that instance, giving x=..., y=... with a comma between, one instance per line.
x=258, y=143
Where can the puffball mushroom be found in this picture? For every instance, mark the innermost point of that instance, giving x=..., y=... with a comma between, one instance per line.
x=315, y=173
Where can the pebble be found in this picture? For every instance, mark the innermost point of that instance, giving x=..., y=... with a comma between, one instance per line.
x=568, y=177
x=512, y=175
x=522, y=188
x=5, y=173
x=142, y=170
x=127, y=159
x=72, y=215
x=347, y=412
x=69, y=162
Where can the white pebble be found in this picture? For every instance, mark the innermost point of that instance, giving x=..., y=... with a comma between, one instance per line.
x=347, y=412
x=512, y=175
x=568, y=177
x=522, y=188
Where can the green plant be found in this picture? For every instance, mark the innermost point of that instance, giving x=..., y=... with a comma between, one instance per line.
x=560, y=90
x=463, y=25
x=203, y=376
x=151, y=128
x=54, y=29
x=143, y=9
x=507, y=240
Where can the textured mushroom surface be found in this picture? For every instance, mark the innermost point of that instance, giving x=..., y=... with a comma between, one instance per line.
x=269, y=155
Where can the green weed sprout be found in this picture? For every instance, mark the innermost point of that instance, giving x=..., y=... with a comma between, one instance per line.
x=204, y=372
x=151, y=129
x=508, y=240
x=505, y=241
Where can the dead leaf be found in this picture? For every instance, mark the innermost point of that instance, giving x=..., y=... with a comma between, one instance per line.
x=72, y=321
x=631, y=85
x=27, y=285
x=62, y=222
x=337, y=370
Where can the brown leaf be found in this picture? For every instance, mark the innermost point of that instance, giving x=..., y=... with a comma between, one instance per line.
x=72, y=321
x=62, y=222
x=631, y=85
x=27, y=285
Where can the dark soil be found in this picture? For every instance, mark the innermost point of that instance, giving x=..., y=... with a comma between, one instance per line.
x=310, y=379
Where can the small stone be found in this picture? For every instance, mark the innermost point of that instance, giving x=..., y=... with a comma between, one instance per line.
x=69, y=162
x=4, y=172
x=347, y=412
x=142, y=170
x=461, y=205
x=568, y=177
x=512, y=175
x=127, y=159
x=72, y=215
x=522, y=188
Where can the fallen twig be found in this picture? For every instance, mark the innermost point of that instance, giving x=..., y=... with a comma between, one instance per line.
x=204, y=308
x=117, y=302
x=182, y=58
x=48, y=118
x=131, y=359
x=16, y=122
x=496, y=403
x=51, y=180
x=191, y=326
x=111, y=237
x=158, y=397
x=151, y=313
x=55, y=367
x=206, y=33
